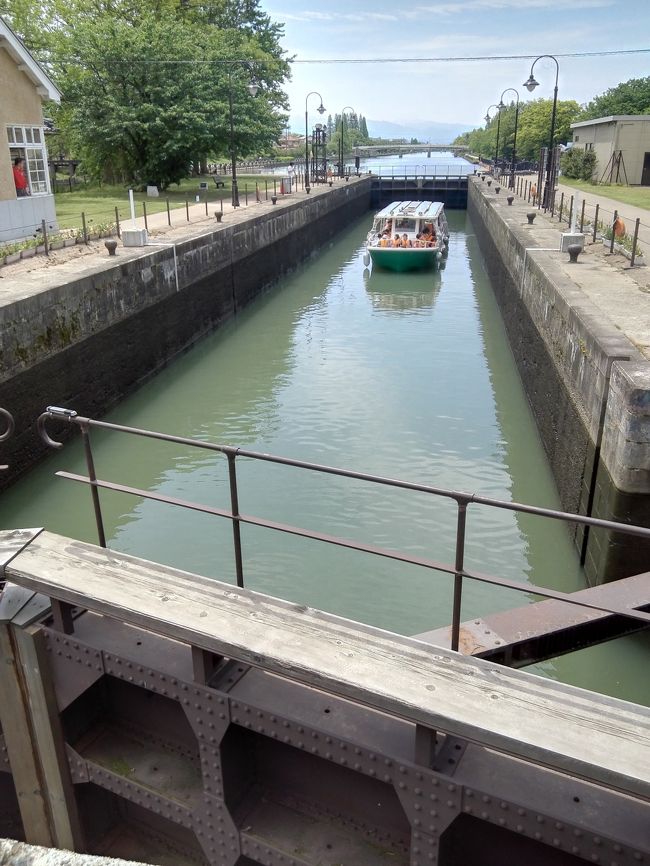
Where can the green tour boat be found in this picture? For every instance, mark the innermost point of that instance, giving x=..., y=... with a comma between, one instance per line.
x=407, y=236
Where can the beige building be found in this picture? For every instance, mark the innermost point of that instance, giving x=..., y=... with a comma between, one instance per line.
x=24, y=87
x=622, y=146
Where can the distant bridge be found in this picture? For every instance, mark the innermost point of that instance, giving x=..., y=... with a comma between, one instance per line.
x=385, y=149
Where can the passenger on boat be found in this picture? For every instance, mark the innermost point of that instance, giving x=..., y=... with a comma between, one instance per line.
x=405, y=241
x=397, y=241
x=385, y=240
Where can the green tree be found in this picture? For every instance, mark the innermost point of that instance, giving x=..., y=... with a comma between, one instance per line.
x=146, y=84
x=630, y=97
x=535, y=125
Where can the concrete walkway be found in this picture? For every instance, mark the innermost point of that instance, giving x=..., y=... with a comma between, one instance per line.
x=606, y=208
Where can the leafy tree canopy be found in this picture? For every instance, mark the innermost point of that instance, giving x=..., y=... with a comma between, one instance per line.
x=146, y=83
x=629, y=97
x=533, y=129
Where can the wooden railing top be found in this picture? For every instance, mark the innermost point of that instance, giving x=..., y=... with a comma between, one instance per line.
x=571, y=730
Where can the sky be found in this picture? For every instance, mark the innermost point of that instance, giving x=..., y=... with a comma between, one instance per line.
x=457, y=91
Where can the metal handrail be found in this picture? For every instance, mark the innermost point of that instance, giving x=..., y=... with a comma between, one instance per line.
x=462, y=499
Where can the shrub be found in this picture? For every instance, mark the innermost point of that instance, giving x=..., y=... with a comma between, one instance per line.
x=578, y=164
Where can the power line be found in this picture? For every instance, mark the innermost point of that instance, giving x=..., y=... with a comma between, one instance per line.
x=369, y=60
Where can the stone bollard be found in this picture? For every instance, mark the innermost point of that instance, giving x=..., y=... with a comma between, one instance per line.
x=489, y=182
x=531, y=216
x=218, y=215
x=574, y=251
x=307, y=189
x=111, y=246
x=510, y=199
x=497, y=189
x=330, y=182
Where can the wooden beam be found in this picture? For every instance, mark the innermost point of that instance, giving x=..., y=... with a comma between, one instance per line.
x=573, y=731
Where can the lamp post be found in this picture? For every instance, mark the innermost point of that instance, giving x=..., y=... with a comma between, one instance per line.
x=320, y=110
x=530, y=85
x=511, y=183
x=253, y=87
x=342, y=139
x=487, y=120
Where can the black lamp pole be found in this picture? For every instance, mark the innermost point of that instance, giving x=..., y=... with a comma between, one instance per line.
x=511, y=184
x=342, y=139
x=487, y=120
x=253, y=87
x=530, y=85
x=320, y=110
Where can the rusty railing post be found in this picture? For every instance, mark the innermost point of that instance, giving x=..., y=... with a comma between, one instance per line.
x=595, y=223
x=611, y=243
x=234, y=507
x=634, y=240
x=94, y=490
x=458, y=575
x=117, y=222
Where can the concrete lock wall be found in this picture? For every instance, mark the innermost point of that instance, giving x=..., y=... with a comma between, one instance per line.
x=587, y=384
x=86, y=342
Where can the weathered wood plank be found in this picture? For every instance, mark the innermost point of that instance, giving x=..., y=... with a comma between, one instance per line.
x=572, y=730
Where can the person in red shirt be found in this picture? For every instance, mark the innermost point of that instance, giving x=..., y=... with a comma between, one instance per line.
x=22, y=187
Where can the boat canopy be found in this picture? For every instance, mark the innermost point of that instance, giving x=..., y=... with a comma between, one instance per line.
x=414, y=209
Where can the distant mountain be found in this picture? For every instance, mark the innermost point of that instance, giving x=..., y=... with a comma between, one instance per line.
x=435, y=133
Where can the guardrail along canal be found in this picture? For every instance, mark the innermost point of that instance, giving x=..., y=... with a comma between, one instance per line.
x=408, y=376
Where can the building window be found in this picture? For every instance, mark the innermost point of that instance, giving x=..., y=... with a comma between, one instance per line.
x=576, y=137
x=27, y=142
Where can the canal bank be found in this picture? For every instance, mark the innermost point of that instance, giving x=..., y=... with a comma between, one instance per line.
x=87, y=332
x=579, y=333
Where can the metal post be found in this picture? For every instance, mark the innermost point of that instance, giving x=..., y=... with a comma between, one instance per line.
x=266, y=190
x=206, y=204
x=187, y=208
x=144, y=211
x=94, y=490
x=221, y=202
x=169, y=216
x=634, y=240
x=458, y=579
x=45, y=239
x=611, y=243
x=582, y=215
x=595, y=223
x=559, y=217
x=570, y=217
x=83, y=225
x=117, y=222
x=246, y=193
x=233, y=156
x=234, y=507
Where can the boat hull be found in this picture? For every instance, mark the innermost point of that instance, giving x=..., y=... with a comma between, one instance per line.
x=403, y=260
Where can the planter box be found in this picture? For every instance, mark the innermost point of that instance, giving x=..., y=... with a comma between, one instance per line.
x=69, y=242
x=40, y=248
x=28, y=253
x=57, y=245
x=11, y=258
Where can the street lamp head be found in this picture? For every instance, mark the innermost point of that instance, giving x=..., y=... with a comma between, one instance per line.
x=531, y=84
x=501, y=105
x=487, y=118
x=321, y=109
x=253, y=87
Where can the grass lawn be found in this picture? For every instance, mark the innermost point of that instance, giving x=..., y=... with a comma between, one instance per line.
x=637, y=196
x=99, y=203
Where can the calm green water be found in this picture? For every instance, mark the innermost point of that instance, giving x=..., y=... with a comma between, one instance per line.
x=405, y=375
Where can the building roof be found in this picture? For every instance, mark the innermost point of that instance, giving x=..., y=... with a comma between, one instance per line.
x=613, y=118
x=45, y=87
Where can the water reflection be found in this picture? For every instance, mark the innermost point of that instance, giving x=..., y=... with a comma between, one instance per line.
x=399, y=293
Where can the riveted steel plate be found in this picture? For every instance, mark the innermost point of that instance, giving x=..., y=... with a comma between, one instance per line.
x=148, y=799
x=216, y=831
